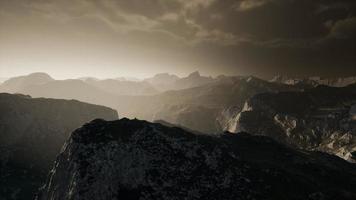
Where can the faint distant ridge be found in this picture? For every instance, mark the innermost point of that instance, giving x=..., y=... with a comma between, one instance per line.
x=134, y=79
x=19, y=83
x=162, y=79
x=115, y=86
x=165, y=81
x=315, y=80
x=122, y=87
x=196, y=101
x=193, y=80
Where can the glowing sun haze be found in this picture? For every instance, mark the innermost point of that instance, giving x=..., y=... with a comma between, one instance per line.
x=110, y=38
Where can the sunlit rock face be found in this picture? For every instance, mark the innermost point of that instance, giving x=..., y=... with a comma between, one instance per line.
x=132, y=159
x=32, y=132
x=321, y=119
x=206, y=108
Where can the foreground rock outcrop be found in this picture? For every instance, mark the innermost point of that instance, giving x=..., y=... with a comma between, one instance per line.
x=32, y=132
x=323, y=119
x=132, y=159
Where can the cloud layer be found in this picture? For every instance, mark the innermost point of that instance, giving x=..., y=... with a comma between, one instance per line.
x=261, y=37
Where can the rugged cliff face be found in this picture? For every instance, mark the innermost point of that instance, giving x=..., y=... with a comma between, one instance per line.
x=203, y=108
x=132, y=159
x=32, y=131
x=322, y=118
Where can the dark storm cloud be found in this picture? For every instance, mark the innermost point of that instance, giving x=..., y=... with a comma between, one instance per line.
x=263, y=37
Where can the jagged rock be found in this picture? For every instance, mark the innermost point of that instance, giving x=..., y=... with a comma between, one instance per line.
x=132, y=159
x=322, y=119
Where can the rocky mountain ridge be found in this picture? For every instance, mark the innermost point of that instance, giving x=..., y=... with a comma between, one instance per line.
x=132, y=159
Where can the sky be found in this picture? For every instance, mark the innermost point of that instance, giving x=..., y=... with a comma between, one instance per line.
x=139, y=38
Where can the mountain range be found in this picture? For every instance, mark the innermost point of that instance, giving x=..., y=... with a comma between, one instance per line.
x=225, y=137
x=117, y=86
x=188, y=98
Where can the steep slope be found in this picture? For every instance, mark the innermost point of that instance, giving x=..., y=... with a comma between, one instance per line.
x=323, y=118
x=132, y=159
x=32, y=131
x=16, y=84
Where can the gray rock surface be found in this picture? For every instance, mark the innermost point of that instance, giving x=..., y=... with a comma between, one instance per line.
x=132, y=159
x=321, y=119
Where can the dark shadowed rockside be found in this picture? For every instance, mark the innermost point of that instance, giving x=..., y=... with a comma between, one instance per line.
x=32, y=132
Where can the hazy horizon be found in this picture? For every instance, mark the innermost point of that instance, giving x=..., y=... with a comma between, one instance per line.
x=142, y=78
x=56, y=77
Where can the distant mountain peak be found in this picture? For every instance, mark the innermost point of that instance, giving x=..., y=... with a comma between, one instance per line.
x=33, y=76
x=17, y=84
x=165, y=76
x=162, y=75
x=194, y=74
x=40, y=75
